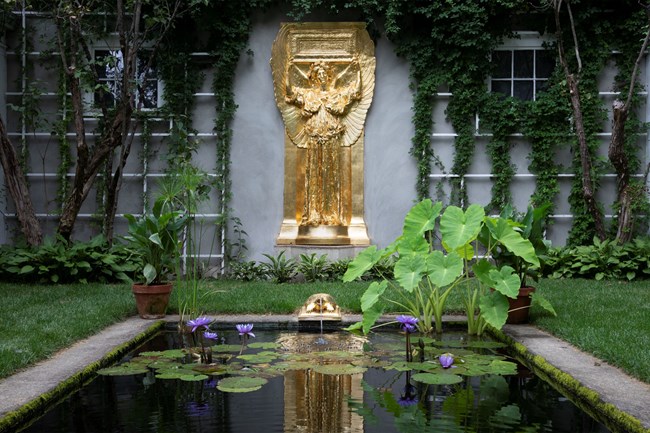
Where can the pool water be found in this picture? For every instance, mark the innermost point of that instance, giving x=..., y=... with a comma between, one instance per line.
x=308, y=401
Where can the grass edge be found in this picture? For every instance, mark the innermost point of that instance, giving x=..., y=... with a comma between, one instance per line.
x=45, y=401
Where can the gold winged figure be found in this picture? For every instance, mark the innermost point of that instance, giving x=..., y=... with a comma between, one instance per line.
x=323, y=102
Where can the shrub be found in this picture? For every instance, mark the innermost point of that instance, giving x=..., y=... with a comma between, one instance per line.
x=313, y=267
x=602, y=260
x=247, y=271
x=56, y=261
x=280, y=269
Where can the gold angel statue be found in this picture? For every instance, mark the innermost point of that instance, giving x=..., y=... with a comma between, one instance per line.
x=324, y=78
x=324, y=104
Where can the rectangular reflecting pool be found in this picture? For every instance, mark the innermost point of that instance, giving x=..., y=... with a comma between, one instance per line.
x=317, y=382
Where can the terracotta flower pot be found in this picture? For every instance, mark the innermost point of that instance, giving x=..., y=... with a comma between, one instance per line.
x=520, y=315
x=152, y=300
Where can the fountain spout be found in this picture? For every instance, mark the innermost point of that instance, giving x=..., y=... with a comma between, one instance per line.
x=320, y=306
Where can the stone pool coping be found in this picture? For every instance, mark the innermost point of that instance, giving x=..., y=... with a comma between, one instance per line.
x=623, y=402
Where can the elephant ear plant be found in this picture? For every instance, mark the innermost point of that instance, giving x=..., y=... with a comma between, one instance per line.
x=425, y=276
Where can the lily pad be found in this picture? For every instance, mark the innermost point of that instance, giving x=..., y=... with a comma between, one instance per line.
x=193, y=377
x=264, y=345
x=338, y=369
x=259, y=358
x=172, y=353
x=224, y=348
x=437, y=379
x=241, y=384
x=502, y=367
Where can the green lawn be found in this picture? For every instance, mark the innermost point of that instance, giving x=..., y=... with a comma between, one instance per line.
x=36, y=321
x=609, y=319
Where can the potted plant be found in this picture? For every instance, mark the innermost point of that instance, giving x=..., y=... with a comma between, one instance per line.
x=531, y=227
x=155, y=239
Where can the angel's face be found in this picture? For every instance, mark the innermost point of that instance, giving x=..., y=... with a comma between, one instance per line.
x=319, y=75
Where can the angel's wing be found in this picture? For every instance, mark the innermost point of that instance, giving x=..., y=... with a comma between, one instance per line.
x=294, y=121
x=356, y=116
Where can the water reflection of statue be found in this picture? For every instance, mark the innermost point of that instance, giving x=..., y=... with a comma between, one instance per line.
x=324, y=102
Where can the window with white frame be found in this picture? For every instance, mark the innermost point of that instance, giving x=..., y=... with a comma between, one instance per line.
x=110, y=69
x=521, y=67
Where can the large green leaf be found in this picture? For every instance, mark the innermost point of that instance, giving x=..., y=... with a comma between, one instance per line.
x=494, y=309
x=412, y=246
x=421, y=218
x=443, y=270
x=362, y=263
x=409, y=271
x=370, y=316
x=149, y=273
x=459, y=228
x=372, y=294
x=503, y=233
x=482, y=270
x=506, y=281
x=543, y=302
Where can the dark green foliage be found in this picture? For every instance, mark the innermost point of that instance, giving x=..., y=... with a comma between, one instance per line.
x=313, y=267
x=337, y=268
x=601, y=260
x=501, y=117
x=280, y=269
x=246, y=271
x=56, y=261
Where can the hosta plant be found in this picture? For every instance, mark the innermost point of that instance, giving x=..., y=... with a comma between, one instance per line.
x=425, y=275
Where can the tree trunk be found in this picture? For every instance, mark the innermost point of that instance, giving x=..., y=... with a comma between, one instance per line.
x=17, y=185
x=619, y=159
x=585, y=158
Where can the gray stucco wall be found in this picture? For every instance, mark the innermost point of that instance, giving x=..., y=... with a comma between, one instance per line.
x=258, y=146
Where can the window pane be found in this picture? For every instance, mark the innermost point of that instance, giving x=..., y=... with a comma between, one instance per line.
x=523, y=90
x=524, y=64
x=540, y=86
x=502, y=61
x=499, y=86
x=545, y=63
x=150, y=94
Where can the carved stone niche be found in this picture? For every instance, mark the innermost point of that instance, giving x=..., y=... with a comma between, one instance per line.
x=324, y=77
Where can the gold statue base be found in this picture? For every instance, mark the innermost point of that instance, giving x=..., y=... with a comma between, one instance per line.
x=294, y=234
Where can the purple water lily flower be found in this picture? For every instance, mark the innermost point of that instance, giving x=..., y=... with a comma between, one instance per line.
x=210, y=335
x=446, y=360
x=245, y=329
x=409, y=323
x=202, y=321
